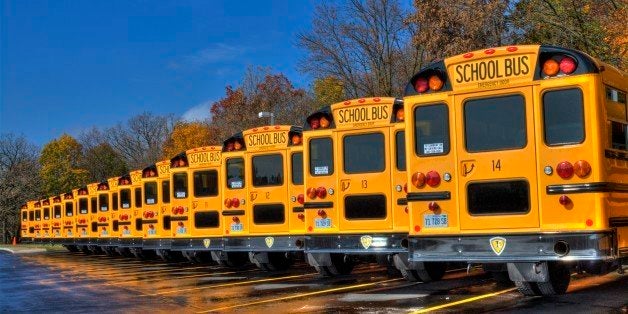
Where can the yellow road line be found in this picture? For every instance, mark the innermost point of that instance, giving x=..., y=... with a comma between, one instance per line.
x=476, y=298
x=301, y=295
x=239, y=283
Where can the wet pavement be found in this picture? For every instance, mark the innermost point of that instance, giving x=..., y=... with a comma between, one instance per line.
x=76, y=283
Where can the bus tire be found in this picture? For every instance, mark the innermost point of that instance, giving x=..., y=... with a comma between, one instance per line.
x=340, y=265
x=559, y=277
x=410, y=275
x=527, y=288
x=431, y=271
x=85, y=250
x=277, y=261
x=236, y=259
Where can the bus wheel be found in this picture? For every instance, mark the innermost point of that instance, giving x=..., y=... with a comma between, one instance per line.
x=109, y=251
x=527, y=288
x=236, y=259
x=430, y=271
x=341, y=264
x=559, y=277
x=72, y=248
x=85, y=250
x=276, y=261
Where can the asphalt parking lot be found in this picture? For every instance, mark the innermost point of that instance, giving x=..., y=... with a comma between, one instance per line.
x=76, y=283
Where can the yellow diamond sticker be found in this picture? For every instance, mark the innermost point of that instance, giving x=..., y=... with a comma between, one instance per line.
x=498, y=244
x=366, y=241
x=269, y=241
x=206, y=242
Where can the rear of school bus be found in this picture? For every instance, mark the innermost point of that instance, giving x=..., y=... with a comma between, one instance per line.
x=107, y=239
x=515, y=162
x=264, y=185
x=56, y=220
x=354, y=174
x=82, y=221
x=46, y=222
x=37, y=222
x=30, y=233
x=156, y=212
x=196, y=203
x=24, y=224
x=92, y=200
x=68, y=227
x=129, y=232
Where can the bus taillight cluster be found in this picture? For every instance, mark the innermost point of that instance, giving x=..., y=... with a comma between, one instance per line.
x=432, y=82
x=232, y=202
x=432, y=179
x=319, y=192
x=559, y=64
x=566, y=170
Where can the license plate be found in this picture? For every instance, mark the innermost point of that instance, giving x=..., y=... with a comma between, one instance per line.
x=322, y=223
x=236, y=227
x=435, y=221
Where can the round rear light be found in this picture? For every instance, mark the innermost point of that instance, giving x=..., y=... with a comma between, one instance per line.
x=151, y=226
x=152, y=214
x=568, y=65
x=435, y=83
x=564, y=200
x=301, y=216
x=315, y=124
x=311, y=193
x=228, y=203
x=564, y=170
x=582, y=168
x=180, y=224
x=399, y=115
x=235, y=202
x=322, y=213
x=146, y=215
x=432, y=178
x=324, y=122
x=301, y=199
x=418, y=179
x=296, y=139
x=550, y=67
x=421, y=85
x=321, y=192
x=433, y=206
x=235, y=219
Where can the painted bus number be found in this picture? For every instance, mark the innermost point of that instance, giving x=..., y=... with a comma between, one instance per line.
x=497, y=165
x=364, y=184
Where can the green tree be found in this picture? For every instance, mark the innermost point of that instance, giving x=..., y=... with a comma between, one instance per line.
x=60, y=162
x=102, y=162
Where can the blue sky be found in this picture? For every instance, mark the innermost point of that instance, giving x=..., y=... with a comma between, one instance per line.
x=66, y=66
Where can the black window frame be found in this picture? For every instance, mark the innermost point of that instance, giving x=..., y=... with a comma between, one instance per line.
x=228, y=163
x=106, y=197
x=80, y=206
x=331, y=161
x=43, y=213
x=138, y=197
x=383, y=151
x=293, y=170
x=582, y=116
x=493, y=97
x=155, y=196
x=174, y=186
x=400, y=156
x=54, y=213
x=71, y=209
x=114, y=201
x=165, y=191
x=212, y=193
x=446, y=126
x=93, y=204
x=253, y=176
x=123, y=192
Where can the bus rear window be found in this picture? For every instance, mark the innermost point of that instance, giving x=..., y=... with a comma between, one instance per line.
x=321, y=157
x=206, y=183
x=563, y=117
x=431, y=130
x=46, y=213
x=495, y=123
x=267, y=170
x=69, y=209
x=103, y=202
x=125, y=198
x=235, y=173
x=297, y=168
x=165, y=191
x=180, y=185
x=82, y=205
x=24, y=216
x=56, y=211
x=364, y=153
x=37, y=215
x=150, y=193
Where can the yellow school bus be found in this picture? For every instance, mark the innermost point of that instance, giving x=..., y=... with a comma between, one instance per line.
x=107, y=194
x=30, y=233
x=130, y=203
x=196, y=202
x=92, y=230
x=37, y=221
x=68, y=227
x=82, y=220
x=56, y=221
x=24, y=224
x=45, y=235
x=263, y=195
x=156, y=212
x=517, y=159
x=354, y=171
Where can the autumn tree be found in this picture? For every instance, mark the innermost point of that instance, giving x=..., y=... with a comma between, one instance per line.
x=365, y=44
x=140, y=140
x=60, y=162
x=597, y=27
x=186, y=135
x=328, y=90
x=272, y=92
x=19, y=179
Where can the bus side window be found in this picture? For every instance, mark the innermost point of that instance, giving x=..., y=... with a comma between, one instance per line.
x=114, y=200
x=617, y=115
x=94, y=205
x=400, y=150
x=165, y=191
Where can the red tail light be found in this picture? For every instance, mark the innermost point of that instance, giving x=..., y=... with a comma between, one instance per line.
x=322, y=213
x=321, y=192
x=301, y=216
x=181, y=210
x=228, y=202
x=421, y=85
x=564, y=170
x=151, y=226
x=567, y=65
x=433, y=206
x=235, y=202
x=311, y=193
x=146, y=215
x=315, y=124
x=564, y=200
x=432, y=178
x=235, y=219
x=301, y=199
x=418, y=179
x=180, y=223
x=405, y=187
x=582, y=168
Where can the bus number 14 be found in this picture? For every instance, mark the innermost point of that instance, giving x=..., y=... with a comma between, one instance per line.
x=497, y=165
